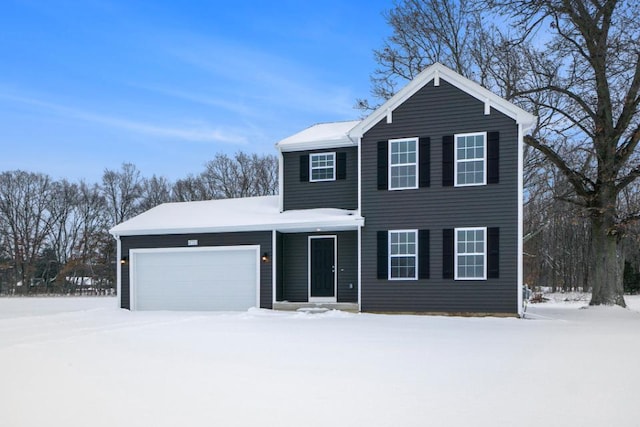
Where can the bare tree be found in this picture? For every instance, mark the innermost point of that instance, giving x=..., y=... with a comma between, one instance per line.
x=24, y=207
x=189, y=189
x=155, y=191
x=122, y=191
x=243, y=175
x=424, y=32
x=592, y=67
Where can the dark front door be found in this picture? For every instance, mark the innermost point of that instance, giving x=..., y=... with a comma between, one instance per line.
x=322, y=267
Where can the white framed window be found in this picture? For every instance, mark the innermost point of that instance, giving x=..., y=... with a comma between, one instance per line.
x=403, y=254
x=322, y=167
x=403, y=163
x=470, y=163
x=471, y=253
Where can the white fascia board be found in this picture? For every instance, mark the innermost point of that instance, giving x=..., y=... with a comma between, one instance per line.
x=352, y=223
x=119, y=271
x=317, y=145
x=439, y=71
x=280, y=180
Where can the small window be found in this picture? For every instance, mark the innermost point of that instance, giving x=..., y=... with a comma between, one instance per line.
x=471, y=249
x=403, y=164
x=322, y=167
x=470, y=159
x=403, y=254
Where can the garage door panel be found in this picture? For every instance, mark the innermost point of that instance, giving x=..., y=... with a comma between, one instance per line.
x=221, y=279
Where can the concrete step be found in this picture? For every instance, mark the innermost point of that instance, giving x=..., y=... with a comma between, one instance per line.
x=314, y=307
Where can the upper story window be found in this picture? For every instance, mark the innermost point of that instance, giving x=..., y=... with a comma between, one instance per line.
x=403, y=164
x=470, y=159
x=322, y=167
x=403, y=254
x=470, y=253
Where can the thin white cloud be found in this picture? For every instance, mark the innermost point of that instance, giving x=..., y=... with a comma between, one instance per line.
x=193, y=132
x=265, y=78
x=203, y=99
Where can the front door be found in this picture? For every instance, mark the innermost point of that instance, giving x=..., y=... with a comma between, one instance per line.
x=322, y=268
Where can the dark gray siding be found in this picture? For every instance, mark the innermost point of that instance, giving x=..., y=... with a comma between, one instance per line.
x=434, y=112
x=295, y=266
x=341, y=193
x=262, y=238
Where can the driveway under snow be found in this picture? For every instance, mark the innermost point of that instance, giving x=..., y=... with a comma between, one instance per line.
x=83, y=362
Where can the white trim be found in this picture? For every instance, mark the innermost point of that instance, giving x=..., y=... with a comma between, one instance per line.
x=359, y=281
x=389, y=116
x=280, y=180
x=274, y=260
x=359, y=176
x=134, y=252
x=389, y=256
x=119, y=271
x=487, y=107
x=455, y=253
x=331, y=154
x=317, y=145
x=335, y=269
x=520, y=250
x=436, y=72
x=455, y=159
x=350, y=222
x=416, y=164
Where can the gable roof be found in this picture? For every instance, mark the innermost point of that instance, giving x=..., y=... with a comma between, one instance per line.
x=231, y=215
x=435, y=72
x=319, y=136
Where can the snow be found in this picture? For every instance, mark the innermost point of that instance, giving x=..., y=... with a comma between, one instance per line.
x=226, y=215
x=334, y=133
x=83, y=362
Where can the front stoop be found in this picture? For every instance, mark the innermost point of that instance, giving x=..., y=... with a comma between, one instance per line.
x=316, y=306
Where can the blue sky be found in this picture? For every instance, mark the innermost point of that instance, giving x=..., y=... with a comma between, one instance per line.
x=87, y=85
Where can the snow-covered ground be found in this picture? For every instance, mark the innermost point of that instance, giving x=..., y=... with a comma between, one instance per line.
x=83, y=362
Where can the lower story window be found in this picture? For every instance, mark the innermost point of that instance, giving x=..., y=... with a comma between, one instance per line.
x=403, y=254
x=471, y=250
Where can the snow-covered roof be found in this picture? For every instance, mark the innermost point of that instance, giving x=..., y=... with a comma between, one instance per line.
x=226, y=215
x=436, y=72
x=319, y=136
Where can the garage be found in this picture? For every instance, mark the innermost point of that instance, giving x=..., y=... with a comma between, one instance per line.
x=198, y=279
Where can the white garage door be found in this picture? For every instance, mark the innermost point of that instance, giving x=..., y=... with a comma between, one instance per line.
x=221, y=278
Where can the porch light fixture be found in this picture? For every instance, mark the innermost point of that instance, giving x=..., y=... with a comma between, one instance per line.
x=124, y=260
x=265, y=257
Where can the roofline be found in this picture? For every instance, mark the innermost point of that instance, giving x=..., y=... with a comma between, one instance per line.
x=336, y=142
x=351, y=223
x=317, y=145
x=438, y=71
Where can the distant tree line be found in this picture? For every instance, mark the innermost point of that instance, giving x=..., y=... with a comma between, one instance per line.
x=54, y=234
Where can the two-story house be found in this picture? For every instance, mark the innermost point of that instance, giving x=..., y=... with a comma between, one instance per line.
x=416, y=208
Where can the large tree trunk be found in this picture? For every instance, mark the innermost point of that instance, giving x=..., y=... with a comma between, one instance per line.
x=605, y=273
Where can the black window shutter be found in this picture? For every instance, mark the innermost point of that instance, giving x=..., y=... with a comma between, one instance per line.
x=423, y=254
x=341, y=166
x=383, y=164
x=425, y=162
x=304, y=167
x=493, y=157
x=383, y=256
x=447, y=253
x=447, y=161
x=493, y=255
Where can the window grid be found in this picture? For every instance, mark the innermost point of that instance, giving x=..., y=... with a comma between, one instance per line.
x=403, y=255
x=322, y=167
x=403, y=164
x=470, y=152
x=471, y=249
